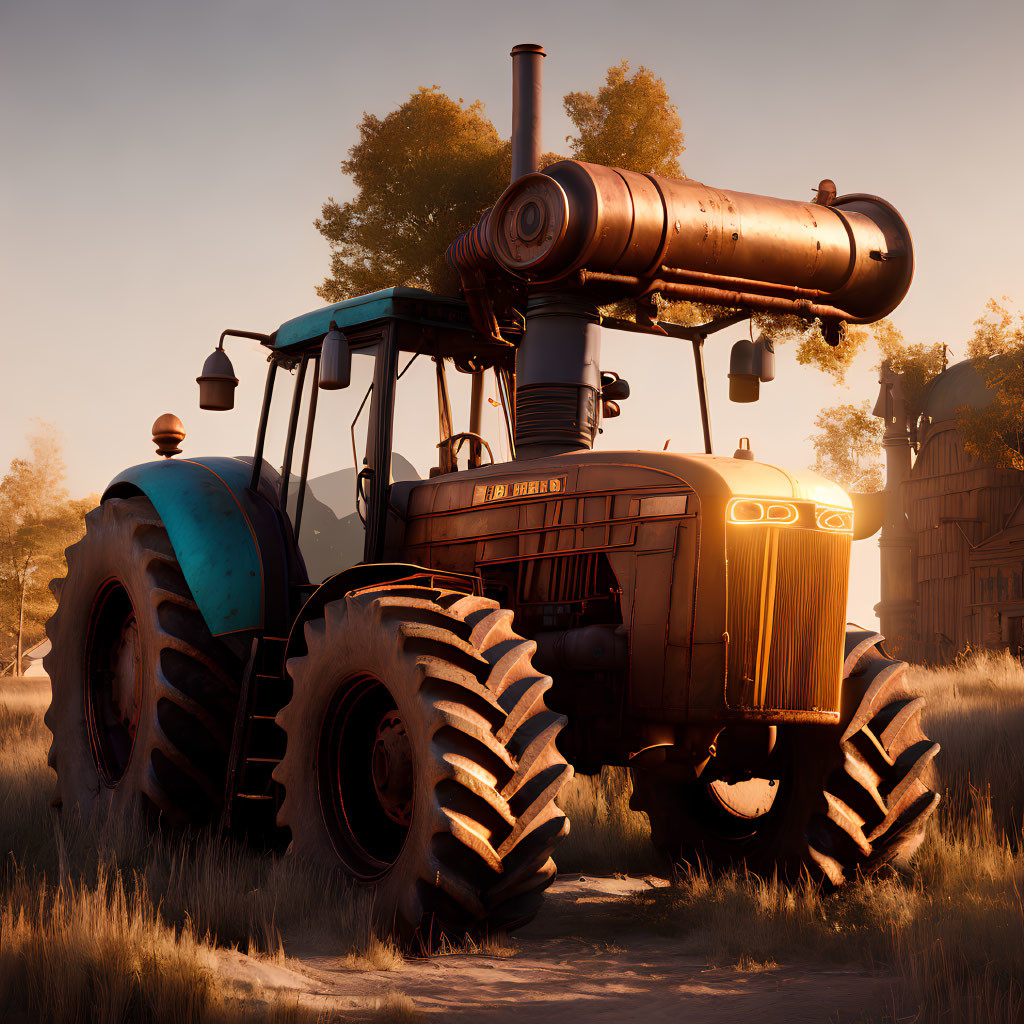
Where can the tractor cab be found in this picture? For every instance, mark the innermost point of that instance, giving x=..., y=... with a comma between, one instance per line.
x=423, y=394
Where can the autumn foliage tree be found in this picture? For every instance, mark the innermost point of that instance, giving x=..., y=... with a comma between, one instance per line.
x=425, y=172
x=629, y=123
x=847, y=447
x=917, y=363
x=995, y=433
x=37, y=522
x=423, y=175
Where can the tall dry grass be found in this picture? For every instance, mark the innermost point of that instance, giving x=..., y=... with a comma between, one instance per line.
x=125, y=926
x=111, y=923
x=605, y=836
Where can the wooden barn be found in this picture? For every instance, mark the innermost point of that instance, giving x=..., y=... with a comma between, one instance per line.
x=952, y=546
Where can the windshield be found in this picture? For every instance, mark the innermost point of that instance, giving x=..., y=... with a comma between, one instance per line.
x=662, y=411
x=417, y=425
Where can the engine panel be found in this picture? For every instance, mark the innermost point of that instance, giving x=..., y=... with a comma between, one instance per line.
x=722, y=617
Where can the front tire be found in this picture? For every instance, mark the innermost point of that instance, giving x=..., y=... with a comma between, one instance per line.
x=848, y=799
x=421, y=758
x=143, y=696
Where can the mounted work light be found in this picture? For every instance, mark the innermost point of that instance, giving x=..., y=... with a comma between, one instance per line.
x=217, y=382
x=744, y=380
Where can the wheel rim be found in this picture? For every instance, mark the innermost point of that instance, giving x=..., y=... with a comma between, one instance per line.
x=113, y=684
x=749, y=800
x=740, y=812
x=365, y=776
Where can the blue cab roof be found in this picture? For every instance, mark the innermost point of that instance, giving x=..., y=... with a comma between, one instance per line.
x=412, y=304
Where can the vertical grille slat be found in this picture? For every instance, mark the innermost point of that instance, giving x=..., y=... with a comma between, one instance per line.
x=786, y=617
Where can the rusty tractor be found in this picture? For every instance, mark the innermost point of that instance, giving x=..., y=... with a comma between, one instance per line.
x=387, y=639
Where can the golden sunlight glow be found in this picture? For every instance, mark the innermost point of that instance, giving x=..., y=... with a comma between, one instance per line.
x=835, y=520
x=759, y=510
x=775, y=512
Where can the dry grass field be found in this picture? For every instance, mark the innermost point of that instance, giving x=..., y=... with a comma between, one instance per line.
x=127, y=927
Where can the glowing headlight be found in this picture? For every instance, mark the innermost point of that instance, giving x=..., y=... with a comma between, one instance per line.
x=762, y=510
x=835, y=520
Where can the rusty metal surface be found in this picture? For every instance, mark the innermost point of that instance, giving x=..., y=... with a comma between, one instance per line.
x=527, y=71
x=657, y=518
x=787, y=610
x=852, y=259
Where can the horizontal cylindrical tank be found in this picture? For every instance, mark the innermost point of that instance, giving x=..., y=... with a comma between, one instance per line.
x=849, y=257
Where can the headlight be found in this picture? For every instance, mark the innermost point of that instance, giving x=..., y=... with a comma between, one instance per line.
x=762, y=510
x=776, y=512
x=835, y=520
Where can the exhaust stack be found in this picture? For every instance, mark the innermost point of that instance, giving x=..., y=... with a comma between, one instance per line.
x=526, y=103
x=558, y=366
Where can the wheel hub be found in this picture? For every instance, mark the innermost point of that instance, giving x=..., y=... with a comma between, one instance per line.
x=125, y=689
x=113, y=682
x=365, y=776
x=391, y=768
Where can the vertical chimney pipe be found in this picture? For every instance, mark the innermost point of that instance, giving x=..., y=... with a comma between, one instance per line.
x=526, y=103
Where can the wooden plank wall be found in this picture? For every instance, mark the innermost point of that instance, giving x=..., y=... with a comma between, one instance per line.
x=952, y=503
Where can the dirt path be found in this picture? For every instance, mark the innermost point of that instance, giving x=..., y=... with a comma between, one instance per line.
x=577, y=962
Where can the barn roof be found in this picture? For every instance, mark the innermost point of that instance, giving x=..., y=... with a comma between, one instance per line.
x=954, y=388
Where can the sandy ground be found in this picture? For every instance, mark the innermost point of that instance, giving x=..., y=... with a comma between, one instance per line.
x=572, y=964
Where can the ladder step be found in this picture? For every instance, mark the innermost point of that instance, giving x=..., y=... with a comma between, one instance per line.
x=262, y=760
x=253, y=796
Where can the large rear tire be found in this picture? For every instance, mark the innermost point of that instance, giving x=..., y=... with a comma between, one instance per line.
x=143, y=696
x=841, y=800
x=421, y=758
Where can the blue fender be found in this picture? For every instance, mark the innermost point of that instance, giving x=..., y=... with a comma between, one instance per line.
x=219, y=531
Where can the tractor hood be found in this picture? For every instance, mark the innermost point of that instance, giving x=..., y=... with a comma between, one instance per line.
x=711, y=477
x=726, y=477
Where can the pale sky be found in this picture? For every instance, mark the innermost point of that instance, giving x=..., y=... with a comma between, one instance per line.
x=163, y=162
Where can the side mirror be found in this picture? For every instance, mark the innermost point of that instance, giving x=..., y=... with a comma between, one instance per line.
x=217, y=383
x=613, y=387
x=335, y=360
x=868, y=513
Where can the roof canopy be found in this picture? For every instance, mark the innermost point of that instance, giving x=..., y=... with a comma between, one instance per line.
x=409, y=304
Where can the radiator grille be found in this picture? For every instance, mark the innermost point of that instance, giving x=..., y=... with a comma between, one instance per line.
x=786, y=612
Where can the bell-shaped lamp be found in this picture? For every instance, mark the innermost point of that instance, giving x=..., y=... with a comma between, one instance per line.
x=335, y=360
x=217, y=383
x=744, y=379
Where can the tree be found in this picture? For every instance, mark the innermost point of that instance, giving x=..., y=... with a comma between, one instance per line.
x=813, y=350
x=425, y=172
x=916, y=363
x=848, y=443
x=995, y=433
x=1000, y=329
x=37, y=522
x=630, y=123
x=847, y=447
